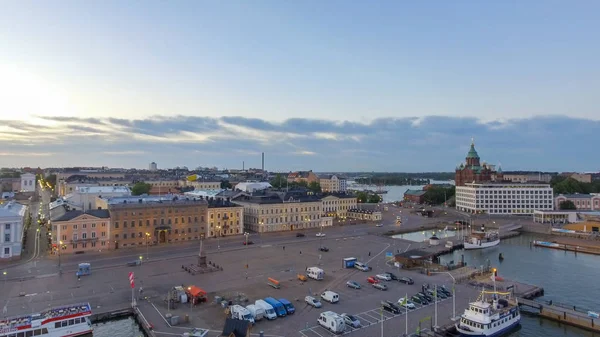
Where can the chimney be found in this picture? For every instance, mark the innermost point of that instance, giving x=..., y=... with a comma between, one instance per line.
x=243, y=166
x=263, y=162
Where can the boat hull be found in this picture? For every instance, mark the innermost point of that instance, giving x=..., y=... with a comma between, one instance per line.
x=482, y=245
x=498, y=333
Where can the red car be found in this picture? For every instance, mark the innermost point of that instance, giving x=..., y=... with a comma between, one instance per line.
x=372, y=279
x=247, y=243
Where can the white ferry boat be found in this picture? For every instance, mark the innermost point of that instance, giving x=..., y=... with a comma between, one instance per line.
x=67, y=321
x=486, y=318
x=482, y=239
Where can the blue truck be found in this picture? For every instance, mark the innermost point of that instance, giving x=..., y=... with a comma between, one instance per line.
x=289, y=307
x=278, y=306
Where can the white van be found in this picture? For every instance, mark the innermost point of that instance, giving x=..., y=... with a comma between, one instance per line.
x=267, y=308
x=315, y=273
x=256, y=311
x=241, y=313
x=361, y=266
x=332, y=322
x=330, y=296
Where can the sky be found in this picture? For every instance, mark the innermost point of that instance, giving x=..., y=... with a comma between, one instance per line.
x=322, y=85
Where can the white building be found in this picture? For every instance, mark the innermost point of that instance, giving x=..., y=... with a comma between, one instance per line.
x=28, y=182
x=84, y=197
x=250, y=187
x=504, y=198
x=152, y=166
x=12, y=220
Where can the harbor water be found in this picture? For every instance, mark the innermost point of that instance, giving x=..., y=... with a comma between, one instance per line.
x=566, y=277
x=118, y=328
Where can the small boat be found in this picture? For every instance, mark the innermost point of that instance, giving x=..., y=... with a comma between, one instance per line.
x=500, y=257
x=489, y=317
x=482, y=239
x=70, y=320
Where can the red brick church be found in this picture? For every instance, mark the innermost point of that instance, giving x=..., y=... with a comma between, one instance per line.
x=474, y=171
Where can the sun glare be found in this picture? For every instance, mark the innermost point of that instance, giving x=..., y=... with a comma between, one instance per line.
x=24, y=95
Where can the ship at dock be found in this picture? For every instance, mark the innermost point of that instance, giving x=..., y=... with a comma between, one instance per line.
x=482, y=239
x=487, y=317
x=66, y=321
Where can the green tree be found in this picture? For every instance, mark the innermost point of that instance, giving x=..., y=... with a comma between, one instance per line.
x=362, y=197
x=374, y=198
x=279, y=181
x=51, y=179
x=314, y=187
x=140, y=188
x=437, y=195
x=225, y=184
x=567, y=204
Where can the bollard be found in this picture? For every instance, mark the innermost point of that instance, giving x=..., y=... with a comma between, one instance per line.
x=262, y=333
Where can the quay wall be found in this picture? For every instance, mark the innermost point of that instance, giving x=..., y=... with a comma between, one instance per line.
x=105, y=316
x=569, y=317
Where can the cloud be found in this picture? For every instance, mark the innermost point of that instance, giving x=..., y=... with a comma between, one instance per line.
x=425, y=143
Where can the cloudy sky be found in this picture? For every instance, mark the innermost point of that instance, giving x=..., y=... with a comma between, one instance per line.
x=335, y=85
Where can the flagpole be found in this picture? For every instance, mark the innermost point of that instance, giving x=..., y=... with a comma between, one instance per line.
x=435, y=295
x=381, y=321
x=406, y=307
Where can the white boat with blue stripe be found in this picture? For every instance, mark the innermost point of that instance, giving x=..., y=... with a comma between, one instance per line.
x=490, y=317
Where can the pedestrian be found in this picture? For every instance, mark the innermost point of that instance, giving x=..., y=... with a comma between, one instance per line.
x=300, y=252
x=369, y=253
x=283, y=247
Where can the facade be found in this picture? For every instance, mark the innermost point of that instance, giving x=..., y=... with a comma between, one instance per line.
x=416, y=196
x=78, y=231
x=582, y=177
x=12, y=222
x=152, y=166
x=555, y=217
x=224, y=218
x=583, y=202
x=526, y=177
x=586, y=227
x=137, y=221
x=28, y=182
x=332, y=183
x=364, y=214
x=274, y=212
x=504, y=198
x=337, y=205
x=160, y=187
x=67, y=187
x=472, y=171
x=10, y=184
x=202, y=185
x=84, y=197
x=250, y=187
x=306, y=176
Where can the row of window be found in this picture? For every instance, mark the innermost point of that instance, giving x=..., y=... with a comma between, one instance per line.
x=83, y=226
x=224, y=215
x=84, y=244
x=277, y=220
x=155, y=222
x=162, y=211
x=83, y=236
x=514, y=192
x=36, y=332
x=285, y=210
x=141, y=234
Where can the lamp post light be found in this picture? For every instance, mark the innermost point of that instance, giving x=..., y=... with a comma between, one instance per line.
x=141, y=259
x=5, y=276
x=453, y=293
x=60, y=246
x=218, y=233
x=147, y=251
x=246, y=234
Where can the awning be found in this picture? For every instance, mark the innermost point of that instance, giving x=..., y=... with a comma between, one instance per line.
x=195, y=291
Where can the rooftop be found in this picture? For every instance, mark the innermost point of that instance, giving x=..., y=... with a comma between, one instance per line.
x=98, y=213
x=507, y=185
x=154, y=199
x=362, y=211
x=12, y=209
x=103, y=189
x=416, y=193
x=577, y=196
x=203, y=193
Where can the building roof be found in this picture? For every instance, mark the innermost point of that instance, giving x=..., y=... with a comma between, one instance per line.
x=577, y=196
x=363, y=211
x=416, y=193
x=103, y=189
x=12, y=209
x=203, y=193
x=98, y=213
x=340, y=195
x=299, y=174
x=237, y=327
x=252, y=186
x=150, y=199
x=277, y=198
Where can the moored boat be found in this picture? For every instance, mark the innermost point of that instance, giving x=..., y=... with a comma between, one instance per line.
x=489, y=317
x=65, y=321
x=482, y=239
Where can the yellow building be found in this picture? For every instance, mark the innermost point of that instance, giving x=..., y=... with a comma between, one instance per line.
x=224, y=218
x=337, y=205
x=364, y=214
x=281, y=212
x=586, y=226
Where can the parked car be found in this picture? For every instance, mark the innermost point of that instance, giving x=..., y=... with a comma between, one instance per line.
x=425, y=296
x=379, y=225
x=445, y=290
x=313, y=301
x=320, y=234
x=384, y=277
x=353, y=284
x=406, y=280
x=361, y=266
x=439, y=294
x=392, y=276
x=323, y=249
x=372, y=280
x=300, y=235
x=419, y=300
x=391, y=307
x=405, y=302
x=248, y=243
x=380, y=286
x=351, y=320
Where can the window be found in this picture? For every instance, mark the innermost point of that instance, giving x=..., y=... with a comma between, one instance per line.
x=6, y=237
x=93, y=235
x=140, y=223
x=116, y=224
x=7, y=251
x=74, y=237
x=93, y=225
x=125, y=236
x=7, y=227
x=116, y=236
x=84, y=235
x=74, y=226
x=103, y=234
x=84, y=226
x=64, y=238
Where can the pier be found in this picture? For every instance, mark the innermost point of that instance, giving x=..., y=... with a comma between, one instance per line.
x=561, y=313
x=576, y=248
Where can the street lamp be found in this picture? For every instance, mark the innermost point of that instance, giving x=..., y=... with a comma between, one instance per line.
x=5, y=273
x=147, y=237
x=60, y=245
x=218, y=233
x=246, y=234
x=141, y=258
x=453, y=292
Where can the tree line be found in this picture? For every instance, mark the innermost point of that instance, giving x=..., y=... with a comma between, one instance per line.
x=568, y=185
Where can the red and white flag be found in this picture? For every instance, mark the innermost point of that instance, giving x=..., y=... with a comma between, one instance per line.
x=131, y=280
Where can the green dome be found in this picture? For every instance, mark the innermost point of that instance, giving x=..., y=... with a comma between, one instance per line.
x=472, y=153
